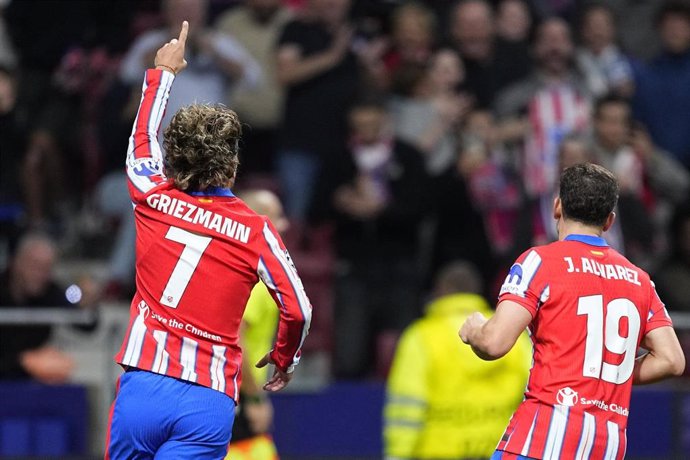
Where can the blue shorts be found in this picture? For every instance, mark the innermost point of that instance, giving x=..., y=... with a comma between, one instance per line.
x=161, y=417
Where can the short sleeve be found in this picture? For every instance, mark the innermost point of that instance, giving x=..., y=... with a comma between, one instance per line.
x=522, y=285
x=658, y=315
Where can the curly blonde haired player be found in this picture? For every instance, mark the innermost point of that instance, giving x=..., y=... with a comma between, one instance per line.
x=200, y=252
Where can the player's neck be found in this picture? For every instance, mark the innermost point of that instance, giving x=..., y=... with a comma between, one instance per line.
x=568, y=227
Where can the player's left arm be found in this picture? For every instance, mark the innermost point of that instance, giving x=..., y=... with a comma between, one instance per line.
x=144, y=156
x=491, y=339
x=276, y=270
x=665, y=357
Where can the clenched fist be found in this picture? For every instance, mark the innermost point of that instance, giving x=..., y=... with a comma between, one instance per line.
x=170, y=56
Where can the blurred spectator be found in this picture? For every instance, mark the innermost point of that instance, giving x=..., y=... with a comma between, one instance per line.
x=257, y=25
x=650, y=179
x=673, y=278
x=412, y=35
x=493, y=184
x=637, y=35
x=513, y=21
x=55, y=46
x=29, y=282
x=604, y=66
x=428, y=110
x=215, y=61
x=542, y=109
x=8, y=58
x=251, y=429
x=320, y=74
x=663, y=94
x=14, y=125
x=443, y=402
x=112, y=201
x=379, y=203
x=553, y=8
x=625, y=148
x=491, y=63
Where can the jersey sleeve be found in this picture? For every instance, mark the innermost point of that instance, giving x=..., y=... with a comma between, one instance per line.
x=658, y=315
x=524, y=284
x=144, y=157
x=276, y=270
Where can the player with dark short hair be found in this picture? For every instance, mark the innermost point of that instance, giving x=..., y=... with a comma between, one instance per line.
x=588, y=310
x=200, y=251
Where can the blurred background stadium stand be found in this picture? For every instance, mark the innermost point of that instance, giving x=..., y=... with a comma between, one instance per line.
x=433, y=137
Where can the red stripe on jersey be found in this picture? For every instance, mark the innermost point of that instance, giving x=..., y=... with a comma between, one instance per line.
x=541, y=431
x=573, y=434
x=556, y=100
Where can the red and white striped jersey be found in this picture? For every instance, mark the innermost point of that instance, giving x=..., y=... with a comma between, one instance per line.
x=198, y=256
x=591, y=308
x=553, y=112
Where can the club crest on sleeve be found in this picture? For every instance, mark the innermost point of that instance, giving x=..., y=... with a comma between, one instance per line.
x=145, y=167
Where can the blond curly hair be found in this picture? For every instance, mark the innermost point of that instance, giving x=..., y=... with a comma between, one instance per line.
x=202, y=147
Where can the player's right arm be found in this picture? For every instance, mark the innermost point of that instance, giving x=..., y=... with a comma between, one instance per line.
x=665, y=358
x=144, y=157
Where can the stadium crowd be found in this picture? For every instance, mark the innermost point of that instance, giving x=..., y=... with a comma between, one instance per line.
x=401, y=136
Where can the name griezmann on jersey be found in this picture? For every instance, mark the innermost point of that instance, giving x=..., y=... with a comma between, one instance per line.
x=195, y=215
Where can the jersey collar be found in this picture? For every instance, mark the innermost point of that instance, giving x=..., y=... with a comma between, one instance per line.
x=213, y=191
x=588, y=239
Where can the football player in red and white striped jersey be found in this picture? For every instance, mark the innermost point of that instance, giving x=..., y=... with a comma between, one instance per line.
x=200, y=251
x=588, y=310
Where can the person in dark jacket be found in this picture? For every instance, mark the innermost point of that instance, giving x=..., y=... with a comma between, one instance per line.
x=379, y=201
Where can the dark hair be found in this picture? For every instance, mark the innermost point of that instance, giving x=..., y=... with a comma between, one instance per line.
x=588, y=193
x=673, y=8
x=609, y=99
x=457, y=277
x=202, y=146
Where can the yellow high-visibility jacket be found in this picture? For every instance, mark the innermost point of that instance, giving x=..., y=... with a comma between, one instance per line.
x=443, y=402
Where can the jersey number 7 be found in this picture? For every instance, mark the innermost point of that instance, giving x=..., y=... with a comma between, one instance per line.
x=194, y=247
x=606, y=333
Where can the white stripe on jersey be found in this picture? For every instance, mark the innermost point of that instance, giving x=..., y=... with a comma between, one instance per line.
x=234, y=383
x=218, y=368
x=160, y=362
x=143, y=182
x=135, y=342
x=589, y=428
x=520, y=276
x=528, y=441
x=188, y=359
x=556, y=434
x=157, y=111
x=296, y=283
x=267, y=278
x=612, y=441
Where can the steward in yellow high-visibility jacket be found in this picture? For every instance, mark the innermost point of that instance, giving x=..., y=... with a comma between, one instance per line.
x=443, y=402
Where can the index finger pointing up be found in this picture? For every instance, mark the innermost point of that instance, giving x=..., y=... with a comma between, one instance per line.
x=183, y=33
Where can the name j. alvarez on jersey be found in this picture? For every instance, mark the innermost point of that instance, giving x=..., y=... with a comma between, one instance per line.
x=606, y=271
x=196, y=215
